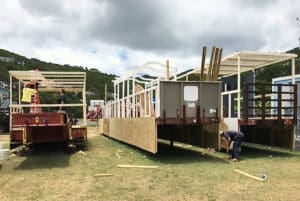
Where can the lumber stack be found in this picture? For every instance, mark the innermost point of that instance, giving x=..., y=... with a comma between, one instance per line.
x=213, y=66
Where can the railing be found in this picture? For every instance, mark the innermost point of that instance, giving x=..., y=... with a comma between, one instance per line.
x=269, y=101
x=130, y=101
x=229, y=107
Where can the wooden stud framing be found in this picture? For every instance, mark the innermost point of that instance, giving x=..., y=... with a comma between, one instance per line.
x=48, y=81
x=203, y=64
x=211, y=62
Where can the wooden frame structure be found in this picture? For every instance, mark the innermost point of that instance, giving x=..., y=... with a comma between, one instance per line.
x=286, y=80
x=50, y=82
x=39, y=126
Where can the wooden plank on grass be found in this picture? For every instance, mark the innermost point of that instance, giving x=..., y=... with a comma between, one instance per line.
x=250, y=176
x=137, y=166
x=103, y=175
x=118, y=155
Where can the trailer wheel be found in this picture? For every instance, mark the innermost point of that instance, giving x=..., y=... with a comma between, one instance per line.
x=70, y=147
x=82, y=145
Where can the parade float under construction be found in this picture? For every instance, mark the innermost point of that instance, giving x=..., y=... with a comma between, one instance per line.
x=169, y=106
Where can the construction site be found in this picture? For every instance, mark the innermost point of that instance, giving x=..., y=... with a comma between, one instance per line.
x=158, y=137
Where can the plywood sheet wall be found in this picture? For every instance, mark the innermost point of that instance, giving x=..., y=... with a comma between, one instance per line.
x=103, y=126
x=139, y=132
x=100, y=127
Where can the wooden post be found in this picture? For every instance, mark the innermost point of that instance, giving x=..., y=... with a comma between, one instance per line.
x=293, y=70
x=19, y=92
x=123, y=100
x=279, y=102
x=167, y=70
x=295, y=90
x=246, y=104
x=239, y=87
x=105, y=94
x=133, y=98
x=211, y=62
x=115, y=100
x=216, y=73
x=84, y=101
x=214, y=66
x=263, y=102
x=10, y=101
x=203, y=63
x=128, y=102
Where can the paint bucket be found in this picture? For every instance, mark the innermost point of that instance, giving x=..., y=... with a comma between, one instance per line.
x=4, y=154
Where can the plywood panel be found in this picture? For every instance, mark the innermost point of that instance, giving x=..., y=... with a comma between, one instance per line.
x=103, y=126
x=139, y=132
x=100, y=127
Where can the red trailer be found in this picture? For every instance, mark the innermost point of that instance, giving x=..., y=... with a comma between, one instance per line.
x=35, y=122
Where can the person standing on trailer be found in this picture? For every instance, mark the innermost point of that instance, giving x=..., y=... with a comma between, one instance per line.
x=35, y=99
x=28, y=92
x=62, y=100
x=236, y=137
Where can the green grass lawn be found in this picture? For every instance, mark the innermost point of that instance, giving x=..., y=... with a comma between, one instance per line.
x=48, y=173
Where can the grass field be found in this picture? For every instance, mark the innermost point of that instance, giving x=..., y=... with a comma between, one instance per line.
x=48, y=173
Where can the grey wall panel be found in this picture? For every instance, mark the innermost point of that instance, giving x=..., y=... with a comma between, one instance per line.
x=170, y=98
x=173, y=95
x=210, y=98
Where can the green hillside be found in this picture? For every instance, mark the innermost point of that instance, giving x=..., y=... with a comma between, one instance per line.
x=95, y=79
